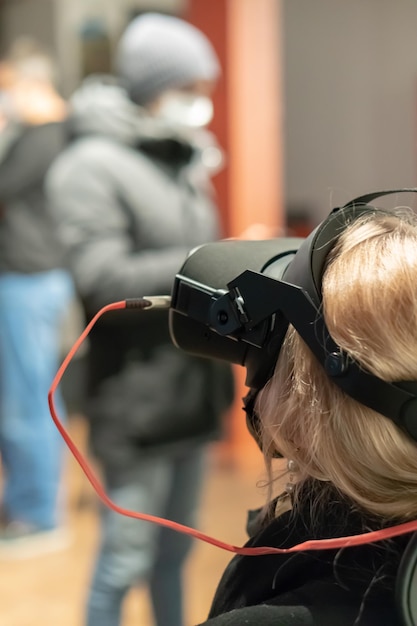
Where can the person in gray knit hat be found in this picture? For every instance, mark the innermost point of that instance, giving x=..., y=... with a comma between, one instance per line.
x=159, y=52
x=131, y=196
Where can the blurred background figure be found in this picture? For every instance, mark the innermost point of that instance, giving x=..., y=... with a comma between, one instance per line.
x=35, y=291
x=131, y=196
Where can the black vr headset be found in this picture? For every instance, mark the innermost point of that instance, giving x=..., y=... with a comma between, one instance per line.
x=233, y=300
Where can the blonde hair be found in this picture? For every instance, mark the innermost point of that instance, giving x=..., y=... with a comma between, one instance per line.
x=370, y=307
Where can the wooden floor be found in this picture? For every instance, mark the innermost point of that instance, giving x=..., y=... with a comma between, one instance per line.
x=50, y=590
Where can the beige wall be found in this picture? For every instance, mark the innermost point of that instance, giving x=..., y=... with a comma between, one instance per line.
x=350, y=82
x=23, y=16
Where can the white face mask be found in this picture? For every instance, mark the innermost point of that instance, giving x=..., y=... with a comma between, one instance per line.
x=187, y=110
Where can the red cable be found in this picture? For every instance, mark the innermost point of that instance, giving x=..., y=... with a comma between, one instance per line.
x=318, y=544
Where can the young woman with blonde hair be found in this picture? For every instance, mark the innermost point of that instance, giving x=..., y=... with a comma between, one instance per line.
x=334, y=398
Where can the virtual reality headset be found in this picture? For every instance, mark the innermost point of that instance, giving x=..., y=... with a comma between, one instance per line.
x=233, y=300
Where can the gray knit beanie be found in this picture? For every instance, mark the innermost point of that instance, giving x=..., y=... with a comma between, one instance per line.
x=159, y=52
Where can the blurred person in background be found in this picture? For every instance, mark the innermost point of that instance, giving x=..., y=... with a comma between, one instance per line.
x=35, y=291
x=131, y=196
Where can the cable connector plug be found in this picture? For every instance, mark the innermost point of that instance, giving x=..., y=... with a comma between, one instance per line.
x=149, y=302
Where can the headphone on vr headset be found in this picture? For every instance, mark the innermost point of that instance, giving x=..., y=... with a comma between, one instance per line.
x=233, y=300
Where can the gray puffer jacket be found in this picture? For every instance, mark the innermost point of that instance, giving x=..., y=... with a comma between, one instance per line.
x=131, y=198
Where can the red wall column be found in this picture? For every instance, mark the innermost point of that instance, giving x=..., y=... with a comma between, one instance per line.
x=210, y=17
x=248, y=123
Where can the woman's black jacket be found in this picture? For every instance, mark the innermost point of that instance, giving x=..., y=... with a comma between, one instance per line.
x=348, y=587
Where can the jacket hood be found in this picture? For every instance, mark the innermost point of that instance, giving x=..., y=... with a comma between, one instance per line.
x=101, y=106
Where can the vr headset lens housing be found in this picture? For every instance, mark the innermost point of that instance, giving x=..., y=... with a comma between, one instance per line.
x=209, y=314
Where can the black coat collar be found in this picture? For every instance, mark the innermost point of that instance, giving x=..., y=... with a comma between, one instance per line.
x=356, y=583
x=171, y=151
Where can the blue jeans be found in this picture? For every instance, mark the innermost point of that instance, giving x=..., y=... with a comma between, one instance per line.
x=31, y=311
x=135, y=552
